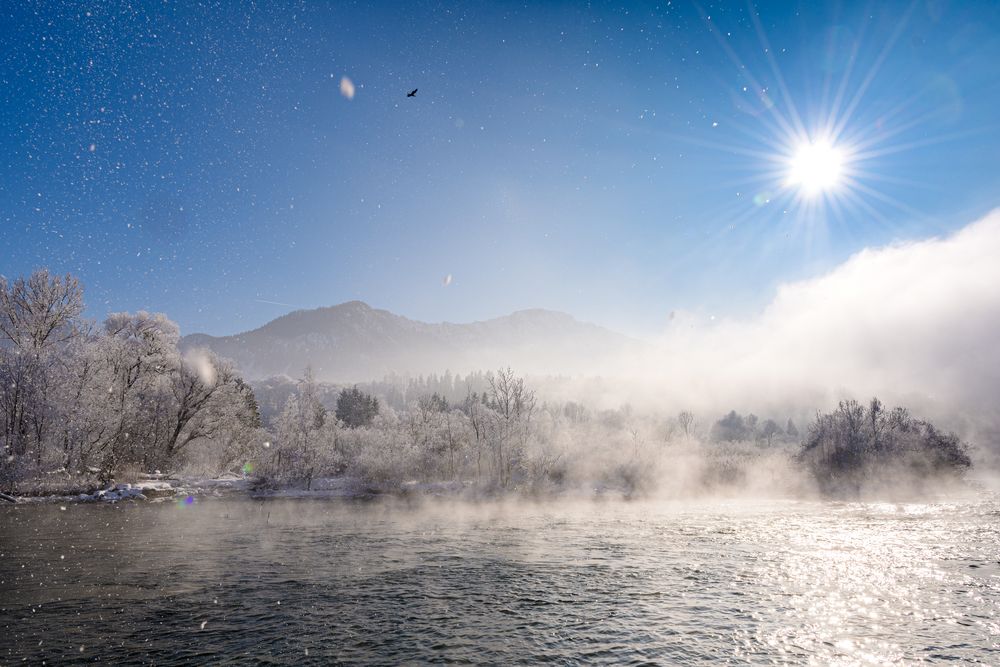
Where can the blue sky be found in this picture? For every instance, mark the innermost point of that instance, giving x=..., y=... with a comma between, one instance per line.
x=617, y=163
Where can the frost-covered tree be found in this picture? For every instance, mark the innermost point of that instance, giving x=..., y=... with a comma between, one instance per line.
x=730, y=428
x=685, y=419
x=237, y=445
x=512, y=406
x=857, y=444
x=37, y=316
x=40, y=311
x=479, y=414
x=205, y=402
x=306, y=440
x=118, y=397
x=440, y=434
x=140, y=352
x=769, y=429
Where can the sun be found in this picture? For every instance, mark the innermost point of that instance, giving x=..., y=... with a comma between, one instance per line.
x=816, y=167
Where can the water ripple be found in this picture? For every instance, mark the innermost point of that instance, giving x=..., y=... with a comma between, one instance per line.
x=630, y=583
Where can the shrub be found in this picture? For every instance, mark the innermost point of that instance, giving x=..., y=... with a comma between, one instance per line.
x=856, y=445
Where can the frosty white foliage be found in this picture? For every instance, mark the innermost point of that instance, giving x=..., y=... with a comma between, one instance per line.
x=119, y=398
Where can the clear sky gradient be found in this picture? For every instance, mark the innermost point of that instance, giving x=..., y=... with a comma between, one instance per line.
x=614, y=162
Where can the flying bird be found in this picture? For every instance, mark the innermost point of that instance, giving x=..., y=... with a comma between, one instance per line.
x=412, y=93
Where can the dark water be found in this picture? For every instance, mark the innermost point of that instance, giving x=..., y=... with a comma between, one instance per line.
x=298, y=582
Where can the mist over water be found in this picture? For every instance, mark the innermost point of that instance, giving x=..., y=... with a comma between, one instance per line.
x=498, y=333
x=705, y=582
x=912, y=322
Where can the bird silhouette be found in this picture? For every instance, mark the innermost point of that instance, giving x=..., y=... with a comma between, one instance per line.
x=412, y=93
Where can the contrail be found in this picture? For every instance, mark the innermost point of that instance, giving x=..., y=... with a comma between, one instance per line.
x=278, y=303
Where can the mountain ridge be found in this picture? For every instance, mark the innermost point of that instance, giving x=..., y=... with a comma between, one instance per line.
x=353, y=341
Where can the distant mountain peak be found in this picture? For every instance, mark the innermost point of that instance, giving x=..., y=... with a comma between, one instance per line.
x=354, y=305
x=353, y=341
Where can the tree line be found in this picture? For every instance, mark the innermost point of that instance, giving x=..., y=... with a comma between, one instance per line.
x=487, y=437
x=121, y=398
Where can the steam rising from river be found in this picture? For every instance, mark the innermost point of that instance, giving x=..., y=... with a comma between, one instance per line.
x=914, y=323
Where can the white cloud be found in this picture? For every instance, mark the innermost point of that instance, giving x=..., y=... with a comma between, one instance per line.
x=915, y=323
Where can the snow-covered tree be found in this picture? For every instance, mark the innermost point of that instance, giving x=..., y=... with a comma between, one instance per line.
x=119, y=397
x=37, y=316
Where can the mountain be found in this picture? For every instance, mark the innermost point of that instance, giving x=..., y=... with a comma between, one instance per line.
x=353, y=342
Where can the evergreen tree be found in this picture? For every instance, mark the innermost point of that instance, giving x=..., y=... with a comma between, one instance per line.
x=356, y=408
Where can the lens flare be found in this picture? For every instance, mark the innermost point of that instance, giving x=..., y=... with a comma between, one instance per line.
x=347, y=88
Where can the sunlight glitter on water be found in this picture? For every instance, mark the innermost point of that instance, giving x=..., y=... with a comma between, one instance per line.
x=708, y=583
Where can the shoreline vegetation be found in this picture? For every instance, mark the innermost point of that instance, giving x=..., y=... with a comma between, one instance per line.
x=190, y=490
x=92, y=413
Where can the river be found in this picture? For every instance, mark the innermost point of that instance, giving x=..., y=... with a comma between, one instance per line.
x=313, y=582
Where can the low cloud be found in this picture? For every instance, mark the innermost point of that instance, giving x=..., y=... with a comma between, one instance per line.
x=916, y=323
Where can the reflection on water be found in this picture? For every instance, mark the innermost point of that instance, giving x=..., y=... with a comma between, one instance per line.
x=292, y=582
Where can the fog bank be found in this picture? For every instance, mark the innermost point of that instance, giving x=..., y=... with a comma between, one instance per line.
x=915, y=323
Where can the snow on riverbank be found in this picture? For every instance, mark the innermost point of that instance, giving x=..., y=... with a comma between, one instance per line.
x=152, y=488
x=158, y=488
x=113, y=494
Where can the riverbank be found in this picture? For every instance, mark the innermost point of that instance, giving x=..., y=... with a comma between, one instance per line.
x=159, y=488
x=152, y=488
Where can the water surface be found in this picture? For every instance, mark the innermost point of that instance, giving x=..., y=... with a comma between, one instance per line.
x=299, y=582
